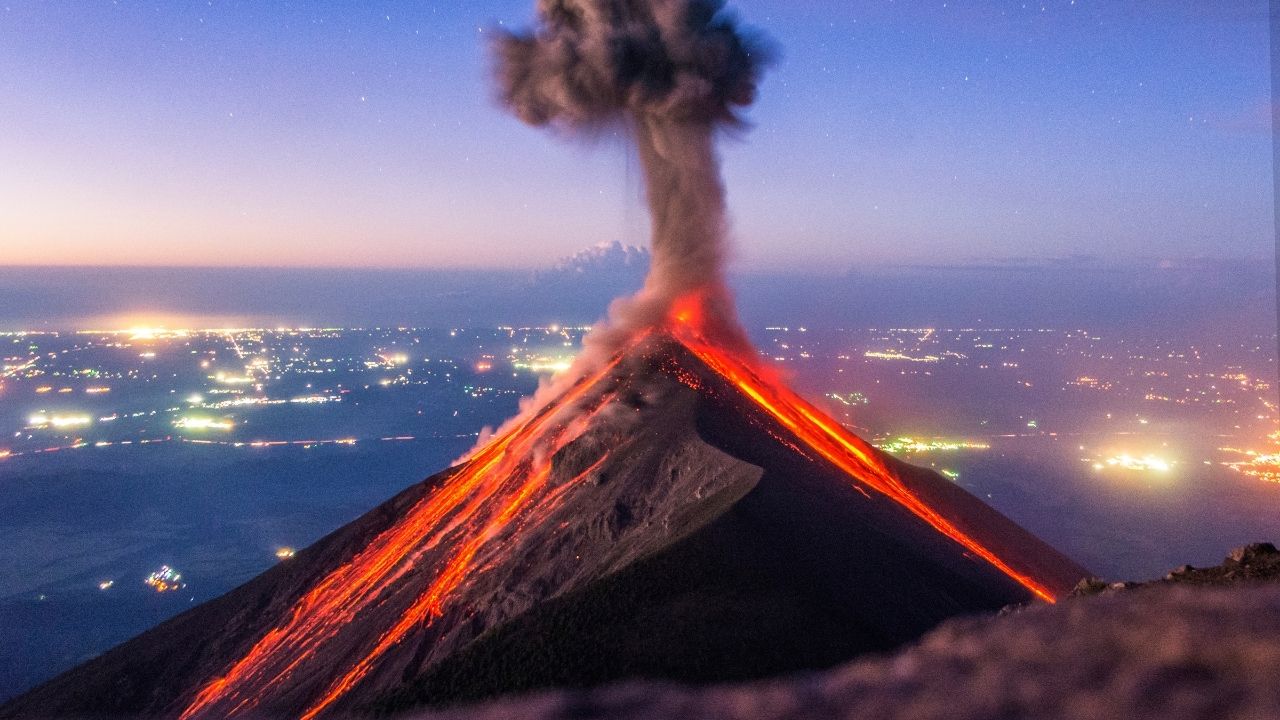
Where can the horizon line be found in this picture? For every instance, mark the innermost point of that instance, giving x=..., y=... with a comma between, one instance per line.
x=992, y=263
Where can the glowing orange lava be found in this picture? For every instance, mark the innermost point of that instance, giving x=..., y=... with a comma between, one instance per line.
x=826, y=437
x=479, y=501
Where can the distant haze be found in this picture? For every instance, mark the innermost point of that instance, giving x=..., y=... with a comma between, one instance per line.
x=1230, y=297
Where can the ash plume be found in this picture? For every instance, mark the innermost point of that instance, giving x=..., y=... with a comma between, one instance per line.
x=672, y=74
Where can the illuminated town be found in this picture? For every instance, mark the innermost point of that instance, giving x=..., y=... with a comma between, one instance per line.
x=221, y=451
x=1122, y=402
x=164, y=580
x=1121, y=405
x=255, y=388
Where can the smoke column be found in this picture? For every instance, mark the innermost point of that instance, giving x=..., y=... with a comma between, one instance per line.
x=672, y=73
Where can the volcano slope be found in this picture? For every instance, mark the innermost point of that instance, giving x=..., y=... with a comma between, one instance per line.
x=658, y=520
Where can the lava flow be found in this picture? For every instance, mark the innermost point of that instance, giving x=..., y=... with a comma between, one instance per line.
x=825, y=436
x=505, y=478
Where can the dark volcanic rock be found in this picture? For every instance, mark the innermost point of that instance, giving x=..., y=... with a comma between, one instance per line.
x=1261, y=555
x=1248, y=565
x=1168, y=652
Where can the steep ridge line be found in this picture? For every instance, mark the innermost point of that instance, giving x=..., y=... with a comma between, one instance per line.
x=828, y=438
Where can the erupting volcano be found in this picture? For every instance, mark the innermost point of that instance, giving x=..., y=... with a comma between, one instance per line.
x=678, y=513
x=666, y=508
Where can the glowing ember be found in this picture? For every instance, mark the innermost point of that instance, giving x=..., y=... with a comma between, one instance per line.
x=285, y=553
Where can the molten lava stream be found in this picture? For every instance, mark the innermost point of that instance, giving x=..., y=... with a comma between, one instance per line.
x=496, y=476
x=430, y=605
x=829, y=439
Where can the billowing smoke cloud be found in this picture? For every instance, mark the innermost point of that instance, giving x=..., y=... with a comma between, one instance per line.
x=590, y=62
x=672, y=73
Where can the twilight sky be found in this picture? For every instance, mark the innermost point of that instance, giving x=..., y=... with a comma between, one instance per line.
x=364, y=133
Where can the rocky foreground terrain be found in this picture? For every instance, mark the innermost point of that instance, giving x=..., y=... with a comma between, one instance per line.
x=1201, y=644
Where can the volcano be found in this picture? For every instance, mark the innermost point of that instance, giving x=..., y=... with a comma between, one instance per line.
x=678, y=514
x=666, y=509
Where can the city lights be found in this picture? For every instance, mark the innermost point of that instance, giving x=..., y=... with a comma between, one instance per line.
x=143, y=333
x=1144, y=393
x=226, y=379
x=203, y=423
x=850, y=399
x=1134, y=463
x=1260, y=465
x=59, y=422
x=164, y=580
x=908, y=445
x=890, y=355
x=545, y=365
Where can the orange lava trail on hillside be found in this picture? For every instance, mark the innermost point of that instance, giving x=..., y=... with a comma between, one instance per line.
x=825, y=436
x=480, y=500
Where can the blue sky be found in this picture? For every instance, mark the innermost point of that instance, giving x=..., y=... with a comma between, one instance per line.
x=365, y=134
